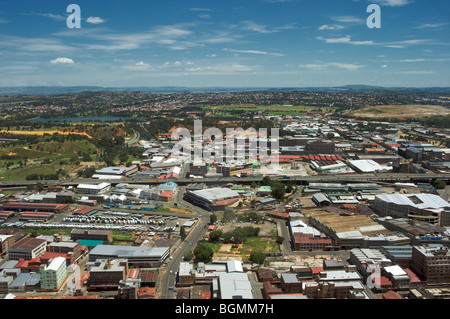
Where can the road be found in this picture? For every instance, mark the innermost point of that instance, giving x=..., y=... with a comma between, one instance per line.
x=357, y=178
x=167, y=277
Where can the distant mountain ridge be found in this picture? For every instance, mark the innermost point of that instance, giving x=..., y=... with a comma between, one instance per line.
x=54, y=90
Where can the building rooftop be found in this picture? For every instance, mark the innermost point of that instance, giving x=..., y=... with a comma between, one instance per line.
x=213, y=194
x=420, y=201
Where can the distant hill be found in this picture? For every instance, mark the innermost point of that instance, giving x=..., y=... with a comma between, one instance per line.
x=54, y=90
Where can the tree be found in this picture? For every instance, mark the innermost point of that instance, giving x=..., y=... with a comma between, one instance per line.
x=203, y=252
x=439, y=184
x=278, y=190
x=188, y=255
x=215, y=235
x=257, y=257
x=228, y=215
x=280, y=240
x=212, y=219
x=266, y=181
x=183, y=234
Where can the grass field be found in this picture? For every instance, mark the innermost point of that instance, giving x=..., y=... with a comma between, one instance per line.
x=20, y=173
x=399, y=111
x=270, y=109
x=41, y=133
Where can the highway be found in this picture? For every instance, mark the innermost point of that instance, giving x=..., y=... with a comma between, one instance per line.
x=301, y=180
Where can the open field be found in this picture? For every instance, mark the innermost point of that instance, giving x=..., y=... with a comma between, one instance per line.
x=399, y=111
x=41, y=133
x=271, y=109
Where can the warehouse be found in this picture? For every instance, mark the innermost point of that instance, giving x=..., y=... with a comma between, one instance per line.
x=136, y=256
x=367, y=166
x=37, y=207
x=115, y=172
x=93, y=188
x=421, y=207
x=213, y=199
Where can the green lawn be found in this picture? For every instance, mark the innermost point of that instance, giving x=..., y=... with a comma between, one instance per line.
x=271, y=109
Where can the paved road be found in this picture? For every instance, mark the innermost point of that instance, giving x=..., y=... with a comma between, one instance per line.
x=167, y=277
x=245, y=180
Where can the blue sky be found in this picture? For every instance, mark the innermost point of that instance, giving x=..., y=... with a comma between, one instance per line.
x=246, y=43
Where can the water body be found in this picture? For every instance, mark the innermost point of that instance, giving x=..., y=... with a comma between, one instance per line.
x=83, y=119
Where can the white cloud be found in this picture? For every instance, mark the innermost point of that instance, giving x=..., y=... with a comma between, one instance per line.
x=62, y=61
x=95, y=20
x=260, y=28
x=349, y=19
x=392, y=3
x=430, y=25
x=331, y=27
x=324, y=66
x=418, y=72
x=384, y=66
x=345, y=40
x=254, y=52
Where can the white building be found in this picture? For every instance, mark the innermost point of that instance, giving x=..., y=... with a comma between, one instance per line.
x=53, y=275
x=93, y=188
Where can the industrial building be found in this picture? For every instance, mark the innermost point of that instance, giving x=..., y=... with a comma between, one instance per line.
x=94, y=189
x=136, y=256
x=353, y=230
x=92, y=234
x=213, y=199
x=28, y=248
x=106, y=274
x=421, y=207
x=367, y=166
x=115, y=172
x=35, y=207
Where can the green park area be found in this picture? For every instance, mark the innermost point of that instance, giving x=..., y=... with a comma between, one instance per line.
x=269, y=109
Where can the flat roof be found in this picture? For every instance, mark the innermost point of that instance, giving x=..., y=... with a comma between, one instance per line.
x=212, y=194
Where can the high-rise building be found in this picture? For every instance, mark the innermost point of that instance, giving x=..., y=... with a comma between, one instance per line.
x=431, y=262
x=53, y=275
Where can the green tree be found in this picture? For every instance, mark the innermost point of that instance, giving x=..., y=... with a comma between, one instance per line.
x=440, y=184
x=280, y=240
x=183, y=234
x=215, y=235
x=204, y=252
x=212, y=218
x=278, y=190
x=188, y=255
x=257, y=257
x=266, y=181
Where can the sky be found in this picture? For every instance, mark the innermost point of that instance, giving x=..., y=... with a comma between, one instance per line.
x=225, y=43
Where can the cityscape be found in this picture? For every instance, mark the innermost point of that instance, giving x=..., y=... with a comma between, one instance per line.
x=208, y=157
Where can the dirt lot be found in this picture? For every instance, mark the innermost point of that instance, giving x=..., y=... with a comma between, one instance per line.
x=266, y=229
x=400, y=111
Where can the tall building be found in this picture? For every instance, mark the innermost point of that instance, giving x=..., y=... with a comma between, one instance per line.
x=431, y=262
x=53, y=275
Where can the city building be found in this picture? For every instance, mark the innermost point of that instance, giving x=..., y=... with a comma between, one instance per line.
x=53, y=275
x=28, y=248
x=94, y=189
x=431, y=262
x=137, y=256
x=107, y=274
x=213, y=199
x=92, y=234
x=421, y=207
x=115, y=172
